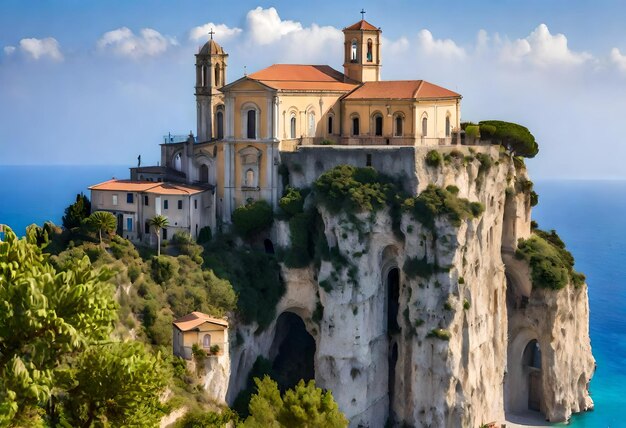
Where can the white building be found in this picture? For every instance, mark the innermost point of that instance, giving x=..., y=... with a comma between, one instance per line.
x=188, y=208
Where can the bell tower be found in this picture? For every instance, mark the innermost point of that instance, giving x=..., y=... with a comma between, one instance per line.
x=210, y=77
x=362, y=51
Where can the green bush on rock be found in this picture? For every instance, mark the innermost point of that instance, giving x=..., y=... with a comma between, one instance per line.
x=433, y=158
x=516, y=138
x=252, y=218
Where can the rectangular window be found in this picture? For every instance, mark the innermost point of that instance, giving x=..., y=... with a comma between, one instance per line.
x=195, y=204
x=145, y=200
x=368, y=160
x=114, y=200
x=146, y=227
x=129, y=224
x=180, y=204
x=129, y=198
x=165, y=204
x=164, y=233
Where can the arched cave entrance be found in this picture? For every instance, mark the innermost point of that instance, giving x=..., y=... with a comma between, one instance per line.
x=269, y=246
x=531, y=364
x=393, y=332
x=292, y=352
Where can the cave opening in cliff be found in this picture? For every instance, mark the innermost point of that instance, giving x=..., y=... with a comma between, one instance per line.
x=524, y=377
x=292, y=351
x=531, y=361
x=393, y=300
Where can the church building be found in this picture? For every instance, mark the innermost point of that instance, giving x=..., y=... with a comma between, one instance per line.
x=244, y=127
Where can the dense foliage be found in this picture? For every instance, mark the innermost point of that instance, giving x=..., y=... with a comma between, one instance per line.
x=472, y=131
x=353, y=189
x=77, y=212
x=516, y=138
x=252, y=218
x=303, y=406
x=433, y=158
x=53, y=362
x=435, y=201
x=551, y=265
x=292, y=201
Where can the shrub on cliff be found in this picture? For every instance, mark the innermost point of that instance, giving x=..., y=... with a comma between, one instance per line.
x=516, y=138
x=292, y=201
x=433, y=158
x=252, y=218
x=435, y=201
x=353, y=189
x=551, y=265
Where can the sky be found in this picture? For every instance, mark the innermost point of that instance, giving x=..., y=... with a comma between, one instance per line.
x=101, y=81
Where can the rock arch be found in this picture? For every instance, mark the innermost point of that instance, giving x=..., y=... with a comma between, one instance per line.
x=523, y=386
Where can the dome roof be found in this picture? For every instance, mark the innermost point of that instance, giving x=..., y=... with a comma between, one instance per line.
x=211, y=48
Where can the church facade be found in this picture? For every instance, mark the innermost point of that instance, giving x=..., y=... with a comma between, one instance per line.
x=245, y=127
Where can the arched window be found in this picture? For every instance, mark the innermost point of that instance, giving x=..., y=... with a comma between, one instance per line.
x=378, y=125
x=424, y=126
x=370, y=57
x=399, y=122
x=220, y=124
x=204, y=174
x=355, y=125
x=354, y=51
x=178, y=162
x=217, y=75
x=447, y=126
x=205, y=76
x=292, y=123
x=249, y=178
x=251, y=122
x=330, y=124
x=206, y=341
x=311, y=130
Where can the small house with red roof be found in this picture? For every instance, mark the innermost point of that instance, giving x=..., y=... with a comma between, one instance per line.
x=208, y=333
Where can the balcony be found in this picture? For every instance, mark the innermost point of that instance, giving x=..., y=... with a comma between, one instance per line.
x=175, y=139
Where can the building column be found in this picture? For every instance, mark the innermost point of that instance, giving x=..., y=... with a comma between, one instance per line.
x=230, y=116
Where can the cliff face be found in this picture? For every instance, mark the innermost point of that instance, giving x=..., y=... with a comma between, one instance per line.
x=441, y=328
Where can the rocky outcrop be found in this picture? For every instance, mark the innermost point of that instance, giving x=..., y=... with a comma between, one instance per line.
x=431, y=327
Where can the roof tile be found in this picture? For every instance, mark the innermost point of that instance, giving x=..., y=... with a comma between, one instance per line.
x=194, y=319
x=401, y=89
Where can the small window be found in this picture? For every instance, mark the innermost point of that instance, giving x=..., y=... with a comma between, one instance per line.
x=447, y=126
x=206, y=341
x=399, y=123
x=355, y=126
x=368, y=160
x=354, y=50
x=378, y=125
x=146, y=227
x=220, y=125
x=195, y=204
x=251, y=131
x=164, y=233
x=370, y=57
x=180, y=204
x=249, y=178
x=146, y=200
x=293, y=127
x=424, y=127
x=129, y=198
x=330, y=124
x=114, y=199
x=311, y=124
x=129, y=224
x=166, y=204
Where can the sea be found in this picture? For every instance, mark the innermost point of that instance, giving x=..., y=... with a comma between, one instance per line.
x=590, y=216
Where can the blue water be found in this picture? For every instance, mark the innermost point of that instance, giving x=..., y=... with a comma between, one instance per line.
x=589, y=216
x=34, y=194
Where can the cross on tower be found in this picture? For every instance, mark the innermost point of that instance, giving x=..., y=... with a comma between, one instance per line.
x=211, y=33
x=362, y=14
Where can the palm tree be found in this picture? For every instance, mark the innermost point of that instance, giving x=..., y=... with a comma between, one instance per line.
x=158, y=222
x=102, y=221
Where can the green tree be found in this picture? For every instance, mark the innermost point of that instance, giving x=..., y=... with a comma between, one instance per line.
x=304, y=406
x=45, y=317
x=77, y=212
x=252, y=218
x=114, y=385
x=159, y=222
x=516, y=138
x=102, y=221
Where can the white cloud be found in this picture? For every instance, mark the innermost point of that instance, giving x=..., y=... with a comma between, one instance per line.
x=8, y=50
x=265, y=25
x=124, y=42
x=40, y=48
x=543, y=49
x=446, y=48
x=222, y=32
x=618, y=59
x=395, y=47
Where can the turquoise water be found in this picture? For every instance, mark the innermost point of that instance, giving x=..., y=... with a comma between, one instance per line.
x=589, y=216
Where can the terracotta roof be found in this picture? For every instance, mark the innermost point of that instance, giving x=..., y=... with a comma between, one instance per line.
x=148, y=187
x=211, y=48
x=195, y=319
x=303, y=77
x=400, y=89
x=361, y=25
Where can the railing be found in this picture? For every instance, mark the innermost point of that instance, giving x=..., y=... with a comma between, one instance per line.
x=174, y=139
x=291, y=144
